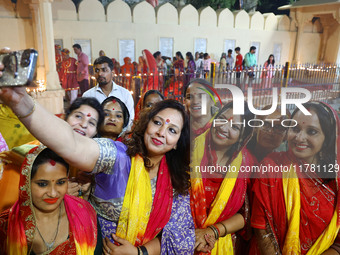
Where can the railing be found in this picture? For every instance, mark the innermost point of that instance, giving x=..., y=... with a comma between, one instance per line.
x=323, y=81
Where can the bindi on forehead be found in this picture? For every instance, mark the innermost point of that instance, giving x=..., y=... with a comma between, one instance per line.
x=167, y=121
x=88, y=115
x=52, y=162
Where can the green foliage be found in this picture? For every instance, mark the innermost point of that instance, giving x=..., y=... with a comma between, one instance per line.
x=215, y=4
x=265, y=6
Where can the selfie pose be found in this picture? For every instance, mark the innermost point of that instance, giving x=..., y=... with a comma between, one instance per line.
x=142, y=212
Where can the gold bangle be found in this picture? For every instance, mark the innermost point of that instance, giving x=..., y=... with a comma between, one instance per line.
x=30, y=113
x=225, y=228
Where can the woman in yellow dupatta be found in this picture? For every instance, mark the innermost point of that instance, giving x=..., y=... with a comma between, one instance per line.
x=296, y=211
x=147, y=221
x=218, y=185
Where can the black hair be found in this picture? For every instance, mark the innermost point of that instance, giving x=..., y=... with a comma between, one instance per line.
x=268, y=61
x=189, y=54
x=102, y=60
x=76, y=46
x=122, y=105
x=156, y=54
x=201, y=55
x=90, y=101
x=178, y=53
x=177, y=159
x=150, y=92
x=237, y=49
x=328, y=126
x=252, y=48
x=205, y=55
x=230, y=51
x=45, y=156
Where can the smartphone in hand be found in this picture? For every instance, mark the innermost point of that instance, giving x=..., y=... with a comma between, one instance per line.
x=19, y=67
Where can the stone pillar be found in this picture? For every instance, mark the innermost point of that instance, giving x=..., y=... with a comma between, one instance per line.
x=42, y=24
x=329, y=25
x=323, y=45
x=301, y=19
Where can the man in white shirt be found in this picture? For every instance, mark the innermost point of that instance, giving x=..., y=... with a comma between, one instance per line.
x=106, y=87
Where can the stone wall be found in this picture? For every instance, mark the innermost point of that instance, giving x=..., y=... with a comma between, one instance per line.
x=146, y=25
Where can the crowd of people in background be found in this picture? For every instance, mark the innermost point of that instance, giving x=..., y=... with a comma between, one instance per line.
x=176, y=72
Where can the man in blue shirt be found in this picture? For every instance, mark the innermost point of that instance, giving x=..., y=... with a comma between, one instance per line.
x=250, y=61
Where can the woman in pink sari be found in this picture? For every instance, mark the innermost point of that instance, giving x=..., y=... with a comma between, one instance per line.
x=45, y=220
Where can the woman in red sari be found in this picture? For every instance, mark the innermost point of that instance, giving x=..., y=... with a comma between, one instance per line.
x=152, y=81
x=296, y=211
x=148, y=99
x=45, y=220
x=218, y=195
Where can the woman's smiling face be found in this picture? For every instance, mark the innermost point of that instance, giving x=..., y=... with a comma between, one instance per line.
x=227, y=134
x=306, y=139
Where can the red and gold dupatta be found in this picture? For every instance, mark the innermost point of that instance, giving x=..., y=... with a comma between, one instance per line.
x=226, y=202
x=141, y=219
x=303, y=213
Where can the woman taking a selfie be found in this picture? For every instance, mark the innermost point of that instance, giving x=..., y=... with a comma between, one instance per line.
x=146, y=210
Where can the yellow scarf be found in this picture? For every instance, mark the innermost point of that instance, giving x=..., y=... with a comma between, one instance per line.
x=224, y=245
x=291, y=190
x=137, y=204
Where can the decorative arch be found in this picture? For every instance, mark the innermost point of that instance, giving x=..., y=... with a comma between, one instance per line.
x=91, y=10
x=188, y=15
x=118, y=10
x=166, y=14
x=143, y=12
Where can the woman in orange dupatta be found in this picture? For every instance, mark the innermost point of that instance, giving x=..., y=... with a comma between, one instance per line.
x=297, y=211
x=218, y=184
x=45, y=220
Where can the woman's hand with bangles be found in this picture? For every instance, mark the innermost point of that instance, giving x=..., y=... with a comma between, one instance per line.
x=124, y=247
x=202, y=235
x=73, y=187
